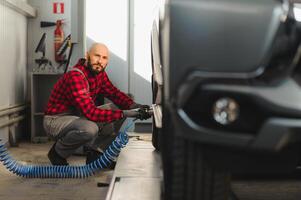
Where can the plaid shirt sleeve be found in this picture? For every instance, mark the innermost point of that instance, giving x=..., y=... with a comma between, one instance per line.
x=78, y=86
x=115, y=95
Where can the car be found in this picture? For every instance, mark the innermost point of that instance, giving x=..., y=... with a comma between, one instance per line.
x=226, y=84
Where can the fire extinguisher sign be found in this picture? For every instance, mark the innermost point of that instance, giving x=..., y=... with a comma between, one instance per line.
x=58, y=8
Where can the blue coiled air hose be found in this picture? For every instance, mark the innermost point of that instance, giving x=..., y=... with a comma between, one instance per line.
x=50, y=171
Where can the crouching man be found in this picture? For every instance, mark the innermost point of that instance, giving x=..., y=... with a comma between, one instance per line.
x=72, y=117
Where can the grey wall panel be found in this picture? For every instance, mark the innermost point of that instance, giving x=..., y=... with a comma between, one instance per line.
x=78, y=30
x=45, y=13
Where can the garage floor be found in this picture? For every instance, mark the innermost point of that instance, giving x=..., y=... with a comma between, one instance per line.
x=281, y=189
x=17, y=188
x=13, y=187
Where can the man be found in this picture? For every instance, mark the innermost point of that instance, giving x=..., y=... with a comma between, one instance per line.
x=73, y=119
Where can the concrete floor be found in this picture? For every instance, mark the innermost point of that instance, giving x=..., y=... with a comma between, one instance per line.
x=13, y=187
x=17, y=188
x=281, y=189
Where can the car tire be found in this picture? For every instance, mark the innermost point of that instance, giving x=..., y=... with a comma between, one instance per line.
x=187, y=172
x=155, y=136
x=155, y=130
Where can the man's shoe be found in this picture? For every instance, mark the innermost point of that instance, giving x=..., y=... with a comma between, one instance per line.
x=112, y=165
x=55, y=158
x=93, y=155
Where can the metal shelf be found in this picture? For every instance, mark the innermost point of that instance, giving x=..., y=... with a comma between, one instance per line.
x=41, y=86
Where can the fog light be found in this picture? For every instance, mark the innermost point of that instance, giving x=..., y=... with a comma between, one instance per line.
x=225, y=111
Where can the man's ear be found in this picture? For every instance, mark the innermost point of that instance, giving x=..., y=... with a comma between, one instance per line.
x=86, y=55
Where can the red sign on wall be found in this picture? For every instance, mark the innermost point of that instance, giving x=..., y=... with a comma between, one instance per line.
x=58, y=8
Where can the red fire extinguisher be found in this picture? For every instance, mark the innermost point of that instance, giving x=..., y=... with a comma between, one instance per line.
x=58, y=40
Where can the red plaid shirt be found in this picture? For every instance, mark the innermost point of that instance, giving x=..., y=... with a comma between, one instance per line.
x=72, y=91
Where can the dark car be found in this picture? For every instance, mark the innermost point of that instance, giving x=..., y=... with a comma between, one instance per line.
x=231, y=98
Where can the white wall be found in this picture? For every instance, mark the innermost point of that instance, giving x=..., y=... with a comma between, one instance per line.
x=143, y=13
x=13, y=47
x=107, y=22
x=125, y=25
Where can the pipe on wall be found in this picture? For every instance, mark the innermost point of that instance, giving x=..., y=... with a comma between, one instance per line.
x=12, y=109
x=12, y=121
x=13, y=112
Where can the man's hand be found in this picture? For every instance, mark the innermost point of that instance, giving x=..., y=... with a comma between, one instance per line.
x=138, y=113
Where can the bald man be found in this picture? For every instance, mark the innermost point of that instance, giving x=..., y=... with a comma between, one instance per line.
x=72, y=117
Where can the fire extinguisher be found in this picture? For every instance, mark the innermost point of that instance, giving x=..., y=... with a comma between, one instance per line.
x=58, y=40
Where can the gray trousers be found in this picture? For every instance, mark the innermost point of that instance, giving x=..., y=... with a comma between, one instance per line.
x=72, y=132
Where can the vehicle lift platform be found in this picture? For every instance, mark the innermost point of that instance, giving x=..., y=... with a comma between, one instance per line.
x=138, y=175
x=138, y=172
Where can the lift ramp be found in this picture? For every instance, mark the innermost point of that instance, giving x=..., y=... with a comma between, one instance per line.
x=138, y=172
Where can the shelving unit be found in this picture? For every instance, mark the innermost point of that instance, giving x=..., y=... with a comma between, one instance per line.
x=41, y=86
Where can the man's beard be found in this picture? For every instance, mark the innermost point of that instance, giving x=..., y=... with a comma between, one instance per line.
x=90, y=67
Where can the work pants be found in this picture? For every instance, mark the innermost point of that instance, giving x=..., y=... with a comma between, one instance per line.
x=72, y=132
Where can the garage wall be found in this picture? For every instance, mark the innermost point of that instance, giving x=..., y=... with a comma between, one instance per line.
x=143, y=13
x=125, y=27
x=35, y=32
x=73, y=23
x=13, y=43
x=107, y=22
